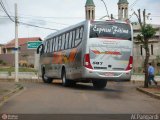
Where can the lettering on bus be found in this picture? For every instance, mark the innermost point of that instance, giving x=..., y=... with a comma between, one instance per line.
x=113, y=29
x=119, y=31
x=64, y=41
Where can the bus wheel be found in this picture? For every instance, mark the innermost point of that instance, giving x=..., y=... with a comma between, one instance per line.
x=99, y=84
x=45, y=78
x=65, y=82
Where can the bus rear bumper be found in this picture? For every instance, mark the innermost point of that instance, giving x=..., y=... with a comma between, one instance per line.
x=107, y=75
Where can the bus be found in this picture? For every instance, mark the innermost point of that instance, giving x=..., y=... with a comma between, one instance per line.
x=90, y=51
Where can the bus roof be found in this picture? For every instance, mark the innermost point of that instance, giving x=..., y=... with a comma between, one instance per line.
x=65, y=29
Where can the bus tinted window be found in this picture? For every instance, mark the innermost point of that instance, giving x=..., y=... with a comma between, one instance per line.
x=63, y=42
x=56, y=44
x=67, y=41
x=48, y=44
x=45, y=48
x=70, y=39
x=74, y=35
x=79, y=35
x=111, y=30
x=60, y=42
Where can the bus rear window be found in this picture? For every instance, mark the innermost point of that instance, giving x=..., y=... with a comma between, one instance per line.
x=112, y=30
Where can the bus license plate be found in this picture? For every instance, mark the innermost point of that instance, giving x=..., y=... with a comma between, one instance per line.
x=109, y=74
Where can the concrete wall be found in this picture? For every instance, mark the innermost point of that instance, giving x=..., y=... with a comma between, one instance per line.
x=21, y=75
x=8, y=58
x=25, y=55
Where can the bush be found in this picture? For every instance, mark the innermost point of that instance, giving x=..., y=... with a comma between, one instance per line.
x=4, y=63
x=1, y=61
x=31, y=65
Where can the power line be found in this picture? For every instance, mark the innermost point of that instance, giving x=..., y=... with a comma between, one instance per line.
x=4, y=9
x=133, y=4
x=37, y=20
x=7, y=6
x=49, y=17
x=36, y=26
x=43, y=20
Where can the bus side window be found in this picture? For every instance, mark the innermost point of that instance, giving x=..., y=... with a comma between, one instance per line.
x=70, y=39
x=63, y=42
x=67, y=41
x=51, y=45
x=60, y=42
x=81, y=33
x=77, y=41
x=74, y=37
x=45, y=46
x=56, y=44
x=53, y=41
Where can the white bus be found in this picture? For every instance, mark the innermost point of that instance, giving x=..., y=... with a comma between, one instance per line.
x=91, y=51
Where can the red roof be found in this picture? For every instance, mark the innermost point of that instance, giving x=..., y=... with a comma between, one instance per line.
x=21, y=41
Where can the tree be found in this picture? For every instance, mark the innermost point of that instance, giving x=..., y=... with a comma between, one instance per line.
x=147, y=32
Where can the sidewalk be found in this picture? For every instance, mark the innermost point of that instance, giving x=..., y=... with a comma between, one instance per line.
x=153, y=90
x=7, y=89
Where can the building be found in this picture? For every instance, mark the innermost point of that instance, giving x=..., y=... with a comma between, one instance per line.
x=1, y=48
x=90, y=10
x=138, y=50
x=123, y=10
x=26, y=56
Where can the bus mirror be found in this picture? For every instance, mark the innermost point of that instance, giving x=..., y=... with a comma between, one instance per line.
x=39, y=49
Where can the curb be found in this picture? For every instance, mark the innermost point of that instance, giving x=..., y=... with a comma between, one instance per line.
x=148, y=93
x=7, y=96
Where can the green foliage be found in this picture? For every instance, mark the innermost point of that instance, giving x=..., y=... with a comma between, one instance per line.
x=12, y=69
x=3, y=63
x=148, y=31
x=139, y=37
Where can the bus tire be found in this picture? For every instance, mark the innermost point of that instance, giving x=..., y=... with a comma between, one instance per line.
x=65, y=82
x=99, y=84
x=45, y=78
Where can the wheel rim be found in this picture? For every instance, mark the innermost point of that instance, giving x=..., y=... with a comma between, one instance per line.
x=63, y=78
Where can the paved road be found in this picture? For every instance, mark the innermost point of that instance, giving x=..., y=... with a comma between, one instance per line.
x=83, y=98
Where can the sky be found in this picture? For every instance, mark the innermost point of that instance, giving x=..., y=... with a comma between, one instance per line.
x=58, y=14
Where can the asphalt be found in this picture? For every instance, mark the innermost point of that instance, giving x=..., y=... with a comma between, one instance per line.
x=7, y=89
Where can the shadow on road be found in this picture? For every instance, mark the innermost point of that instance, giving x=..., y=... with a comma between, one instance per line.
x=88, y=87
x=113, y=89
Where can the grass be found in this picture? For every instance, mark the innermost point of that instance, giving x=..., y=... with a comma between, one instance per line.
x=12, y=69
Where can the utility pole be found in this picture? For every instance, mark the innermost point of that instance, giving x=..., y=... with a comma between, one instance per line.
x=16, y=45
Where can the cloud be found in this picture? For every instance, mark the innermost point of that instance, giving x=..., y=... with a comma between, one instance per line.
x=65, y=12
x=4, y=20
x=37, y=22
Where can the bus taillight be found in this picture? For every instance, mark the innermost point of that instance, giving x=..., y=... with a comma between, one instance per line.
x=129, y=67
x=87, y=63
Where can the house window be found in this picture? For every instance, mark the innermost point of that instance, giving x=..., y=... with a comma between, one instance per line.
x=151, y=49
x=141, y=49
x=4, y=51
